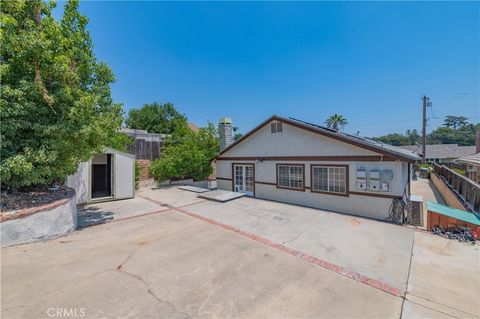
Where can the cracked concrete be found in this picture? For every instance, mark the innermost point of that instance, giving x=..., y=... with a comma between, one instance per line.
x=170, y=265
x=121, y=269
x=300, y=233
x=177, y=267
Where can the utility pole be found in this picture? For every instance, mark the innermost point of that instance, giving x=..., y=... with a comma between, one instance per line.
x=424, y=129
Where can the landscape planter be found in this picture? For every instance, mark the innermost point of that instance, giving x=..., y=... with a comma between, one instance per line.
x=40, y=223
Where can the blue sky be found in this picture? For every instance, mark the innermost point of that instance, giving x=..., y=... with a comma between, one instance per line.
x=369, y=61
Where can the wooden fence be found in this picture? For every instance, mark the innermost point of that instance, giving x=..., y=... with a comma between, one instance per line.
x=145, y=150
x=145, y=146
x=457, y=190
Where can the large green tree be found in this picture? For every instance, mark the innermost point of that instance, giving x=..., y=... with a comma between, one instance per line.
x=188, y=153
x=463, y=136
x=56, y=108
x=395, y=139
x=455, y=130
x=454, y=122
x=155, y=118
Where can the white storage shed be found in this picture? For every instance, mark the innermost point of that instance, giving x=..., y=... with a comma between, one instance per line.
x=106, y=176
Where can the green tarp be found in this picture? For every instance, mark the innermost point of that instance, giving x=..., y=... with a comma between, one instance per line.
x=462, y=215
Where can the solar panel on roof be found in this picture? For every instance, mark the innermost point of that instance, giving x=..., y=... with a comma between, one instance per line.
x=311, y=124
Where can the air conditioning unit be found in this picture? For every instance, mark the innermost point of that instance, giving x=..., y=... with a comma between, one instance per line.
x=415, y=211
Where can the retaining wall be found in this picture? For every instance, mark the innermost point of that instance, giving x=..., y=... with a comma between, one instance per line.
x=40, y=223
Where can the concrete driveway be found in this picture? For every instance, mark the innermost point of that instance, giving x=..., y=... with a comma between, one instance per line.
x=169, y=254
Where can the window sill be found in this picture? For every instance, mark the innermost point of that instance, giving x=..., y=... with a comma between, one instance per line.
x=291, y=189
x=330, y=193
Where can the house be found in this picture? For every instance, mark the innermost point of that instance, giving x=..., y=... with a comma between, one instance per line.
x=106, y=176
x=296, y=162
x=471, y=164
x=442, y=153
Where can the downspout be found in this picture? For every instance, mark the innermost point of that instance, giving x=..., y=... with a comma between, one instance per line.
x=409, y=179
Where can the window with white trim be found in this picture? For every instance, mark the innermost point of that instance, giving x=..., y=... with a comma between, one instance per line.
x=329, y=179
x=276, y=127
x=290, y=176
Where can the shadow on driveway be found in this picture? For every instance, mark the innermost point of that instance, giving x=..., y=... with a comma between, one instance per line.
x=92, y=215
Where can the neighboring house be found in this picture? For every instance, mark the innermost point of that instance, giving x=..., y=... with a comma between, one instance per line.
x=193, y=126
x=301, y=163
x=442, y=153
x=471, y=164
x=106, y=176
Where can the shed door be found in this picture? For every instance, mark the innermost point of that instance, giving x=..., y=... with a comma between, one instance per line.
x=123, y=176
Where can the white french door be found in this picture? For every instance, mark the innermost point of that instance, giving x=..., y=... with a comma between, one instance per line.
x=243, y=180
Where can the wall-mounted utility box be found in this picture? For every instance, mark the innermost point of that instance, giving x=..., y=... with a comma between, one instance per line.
x=374, y=185
x=374, y=180
x=361, y=178
x=362, y=184
x=374, y=174
x=385, y=186
x=361, y=174
x=386, y=175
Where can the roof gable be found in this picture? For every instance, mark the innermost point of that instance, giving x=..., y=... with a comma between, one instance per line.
x=359, y=144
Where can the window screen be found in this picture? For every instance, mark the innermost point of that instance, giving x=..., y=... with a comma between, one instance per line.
x=290, y=176
x=331, y=179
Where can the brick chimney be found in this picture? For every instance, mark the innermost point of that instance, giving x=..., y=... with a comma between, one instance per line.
x=225, y=131
x=477, y=143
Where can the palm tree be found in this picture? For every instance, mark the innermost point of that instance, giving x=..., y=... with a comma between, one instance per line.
x=336, y=122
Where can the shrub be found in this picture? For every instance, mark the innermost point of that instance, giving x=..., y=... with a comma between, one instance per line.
x=187, y=154
x=459, y=171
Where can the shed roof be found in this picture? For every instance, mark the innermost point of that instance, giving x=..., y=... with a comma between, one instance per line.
x=358, y=141
x=109, y=150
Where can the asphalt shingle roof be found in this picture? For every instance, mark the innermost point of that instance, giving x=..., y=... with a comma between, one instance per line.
x=442, y=150
x=472, y=159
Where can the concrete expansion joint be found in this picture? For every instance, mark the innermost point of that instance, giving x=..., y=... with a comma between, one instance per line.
x=120, y=268
x=404, y=297
x=445, y=309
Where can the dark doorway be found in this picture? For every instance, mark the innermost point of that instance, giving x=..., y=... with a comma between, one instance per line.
x=102, y=176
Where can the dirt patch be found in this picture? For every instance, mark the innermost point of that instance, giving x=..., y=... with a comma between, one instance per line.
x=18, y=200
x=355, y=222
